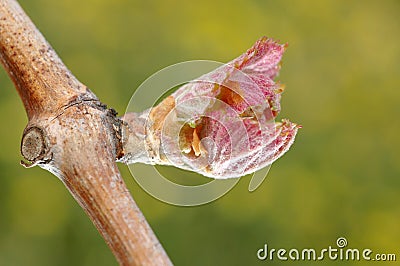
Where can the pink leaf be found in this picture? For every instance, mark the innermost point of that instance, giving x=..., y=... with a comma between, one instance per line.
x=222, y=124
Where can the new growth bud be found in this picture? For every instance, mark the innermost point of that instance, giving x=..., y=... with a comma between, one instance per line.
x=220, y=125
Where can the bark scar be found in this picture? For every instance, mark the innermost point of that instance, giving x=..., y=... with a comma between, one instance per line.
x=34, y=147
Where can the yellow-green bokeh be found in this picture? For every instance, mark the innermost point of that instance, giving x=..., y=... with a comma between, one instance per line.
x=341, y=178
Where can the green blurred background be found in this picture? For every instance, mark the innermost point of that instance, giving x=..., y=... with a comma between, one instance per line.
x=341, y=177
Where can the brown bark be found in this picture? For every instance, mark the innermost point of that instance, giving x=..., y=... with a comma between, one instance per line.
x=73, y=135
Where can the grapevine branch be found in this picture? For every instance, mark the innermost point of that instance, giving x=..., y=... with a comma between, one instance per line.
x=74, y=136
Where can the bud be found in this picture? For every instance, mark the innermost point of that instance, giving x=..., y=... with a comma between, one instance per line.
x=220, y=125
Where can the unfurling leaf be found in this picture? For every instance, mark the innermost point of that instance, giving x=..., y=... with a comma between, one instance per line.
x=222, y=124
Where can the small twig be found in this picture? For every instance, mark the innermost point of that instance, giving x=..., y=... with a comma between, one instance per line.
x=73, y=135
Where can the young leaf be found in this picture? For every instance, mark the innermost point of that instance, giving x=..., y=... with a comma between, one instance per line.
x=220, y=125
